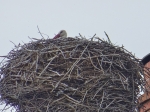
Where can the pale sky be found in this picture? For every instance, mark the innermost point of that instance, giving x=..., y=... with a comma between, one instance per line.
x=126, y=22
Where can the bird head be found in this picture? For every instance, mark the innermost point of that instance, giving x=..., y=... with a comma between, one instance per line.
x=62, y=33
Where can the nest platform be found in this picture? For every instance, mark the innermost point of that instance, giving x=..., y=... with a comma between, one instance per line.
x=70, y=75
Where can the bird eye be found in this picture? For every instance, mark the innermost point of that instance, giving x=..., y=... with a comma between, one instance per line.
x=61, y=31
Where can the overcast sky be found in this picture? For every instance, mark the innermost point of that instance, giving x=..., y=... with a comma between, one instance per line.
x=126, y=22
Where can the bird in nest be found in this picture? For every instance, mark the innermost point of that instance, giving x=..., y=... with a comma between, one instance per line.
x=62, y=33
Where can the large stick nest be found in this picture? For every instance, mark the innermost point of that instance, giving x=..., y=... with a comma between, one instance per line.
x=70, y=75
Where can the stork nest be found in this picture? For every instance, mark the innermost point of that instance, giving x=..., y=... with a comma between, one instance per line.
x=70, y=75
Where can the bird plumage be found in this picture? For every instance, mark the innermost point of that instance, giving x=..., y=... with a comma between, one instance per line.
x=62, y=33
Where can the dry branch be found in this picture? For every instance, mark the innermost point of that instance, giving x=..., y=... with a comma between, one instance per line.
x=70, y=75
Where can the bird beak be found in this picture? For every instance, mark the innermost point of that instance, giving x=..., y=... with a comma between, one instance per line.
x=57, y=36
